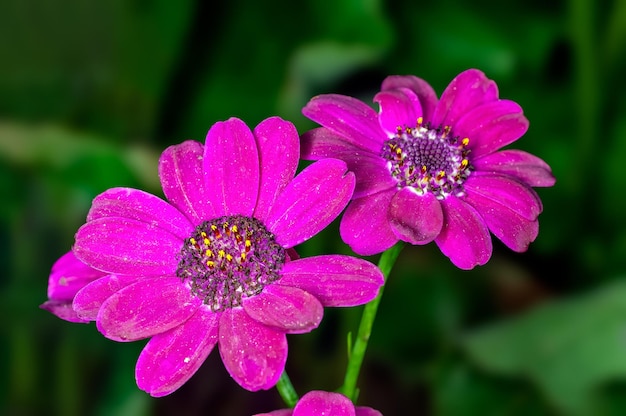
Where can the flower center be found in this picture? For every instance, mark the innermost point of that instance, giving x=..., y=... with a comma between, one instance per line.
x=428, y=159
x=230, y=258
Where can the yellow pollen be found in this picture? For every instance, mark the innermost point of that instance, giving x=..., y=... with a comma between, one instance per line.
x=446, y=130
x=399, y=129
x=464, y=163
x=441, y=174
x=213, y=227
x=234, y=228
x=424, y=168
x=398, y=151
x=203, y=234
x=210, y=263
x=243, y=256
x=420, y=120
x=408, y=130
x=207, y=242
x=208, y=253
x=192, y=241
x=221, y=253
x=229, y=257
x=465, y=141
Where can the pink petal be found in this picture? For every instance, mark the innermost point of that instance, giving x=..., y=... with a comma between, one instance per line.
x=231, y=168
x=141, y=206
x=145, y=308
x=370, y=170
x=316, y=403
x=519, y=164
x=279, y=152
x=399, y=108
x=89, y=299
x=170, y=359
x=427, y=96
x=310, y=202
x=68, y=276
x=366, y=411
x=515, y=195
x=182, y=178
x=349, y=118
x=464, y=238
x=285, y=308
x=365, y=224
x=468, y=90
x=335, y=280
x=63, y=309
x=320, y=143
x=253, y=354
x=511, y=228
x=414, y=218
x=491, y=126
x=281, y=412
x=126, y=246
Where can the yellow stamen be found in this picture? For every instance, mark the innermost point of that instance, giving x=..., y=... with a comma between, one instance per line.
x=465, y=141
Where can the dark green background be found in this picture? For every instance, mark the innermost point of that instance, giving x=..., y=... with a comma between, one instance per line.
x=92, y=91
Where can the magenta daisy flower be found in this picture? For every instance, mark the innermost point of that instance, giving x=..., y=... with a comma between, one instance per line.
x=214, y=264
x=316, y=403
x=67, y=277
x=432, y=169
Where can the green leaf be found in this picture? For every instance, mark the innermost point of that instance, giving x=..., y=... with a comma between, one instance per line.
x=567, y=347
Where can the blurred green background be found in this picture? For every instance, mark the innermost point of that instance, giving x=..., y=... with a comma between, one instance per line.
x=91, y=93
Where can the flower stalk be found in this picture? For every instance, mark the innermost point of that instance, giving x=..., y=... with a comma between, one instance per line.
x=349, y=388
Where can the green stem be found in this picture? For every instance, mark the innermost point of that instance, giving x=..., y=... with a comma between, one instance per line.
x=286, y=390
x=349, y=388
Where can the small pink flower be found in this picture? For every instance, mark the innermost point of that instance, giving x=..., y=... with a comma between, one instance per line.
x=67, y=277
x=322, y=403
x=214, y=265
x=432, y=169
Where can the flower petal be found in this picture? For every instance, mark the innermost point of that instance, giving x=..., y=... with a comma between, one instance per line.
x=464, y=237
x=182, y=178
x=366, y=411
x=370, y=170
x=288, y=309
x=254, y=354
x=505, y=190
x=145, y=308
x=365, y=224
x=126, y=246
x=468, y=90
x=335, y=280
x=310, y=202
x=231, y=168
x=279, y=152
x=511, y=228
x=491, y=126
x=320, y=143
x=414, y=218
x=399, y=108
x=173, y=357
x=62, y=309
x=348, y=117
x=316, y=403
x=89, y=299
x=141, y=206
x=68, y=276
x=423, y=90
x=519, y=164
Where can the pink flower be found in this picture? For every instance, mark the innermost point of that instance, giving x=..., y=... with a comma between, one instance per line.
x=67, y=277
x=432, y=169
x=214, y=264
x=320, y=403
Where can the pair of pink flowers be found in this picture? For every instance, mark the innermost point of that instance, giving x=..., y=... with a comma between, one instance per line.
x=214, y=264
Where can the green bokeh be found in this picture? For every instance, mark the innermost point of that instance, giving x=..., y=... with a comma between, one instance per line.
x=92, y=92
